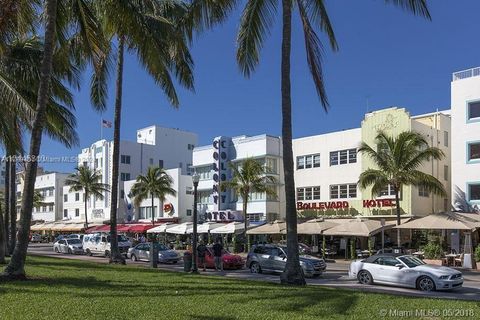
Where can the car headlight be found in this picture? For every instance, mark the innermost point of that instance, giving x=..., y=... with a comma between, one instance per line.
x=443, y=277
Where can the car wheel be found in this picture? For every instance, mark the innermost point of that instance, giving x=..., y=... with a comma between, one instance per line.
x=133, y=257
x=55, y=249
x=365, y=277
x=88, y=252
x=69, y=251
x=425, y=284
x=255, y=268
x=107, y=254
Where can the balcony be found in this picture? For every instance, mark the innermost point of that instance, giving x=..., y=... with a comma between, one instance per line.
x=469, y=73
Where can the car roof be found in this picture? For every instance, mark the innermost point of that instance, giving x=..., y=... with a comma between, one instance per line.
x=376, y=256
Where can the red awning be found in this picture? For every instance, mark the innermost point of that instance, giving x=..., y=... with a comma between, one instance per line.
x=98, y=229
x=123, y=228
x=140, y=228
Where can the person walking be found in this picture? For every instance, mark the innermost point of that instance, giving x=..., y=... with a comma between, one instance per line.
x=217, y=254
x=201, y=252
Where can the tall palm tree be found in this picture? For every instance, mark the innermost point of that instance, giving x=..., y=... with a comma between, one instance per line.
x=247, y=177
x=149, y=30
x=155, y=184
x=397, y=160
x=76, y=22
x=255, y=24
x=3, y=240
x=88, y=181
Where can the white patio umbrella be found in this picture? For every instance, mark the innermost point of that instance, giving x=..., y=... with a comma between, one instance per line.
x=276, y=227
x=357, y=228
x=315, y=226
x=208, y=227
x=442, y=221
x=232, y=227
x=184, y=228
x=162, y=228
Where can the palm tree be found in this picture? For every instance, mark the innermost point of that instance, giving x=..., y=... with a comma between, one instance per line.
x=155, y=184
x=255, y=24
x=3, y=239
x=87, y=180
x=86, y=44
x=398, y=159
x=247, y=177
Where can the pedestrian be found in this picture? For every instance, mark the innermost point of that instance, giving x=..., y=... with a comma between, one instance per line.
x=142, y=239
x=217, y=255
x=201, y=252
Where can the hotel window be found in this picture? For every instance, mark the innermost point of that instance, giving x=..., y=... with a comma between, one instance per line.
x=300, y=193
x=151, y=161
x=125, y=159
x=50, y=208
x=474, y=151
x=445, y=138
x=308, y=161
x=65, y=213
x=189, y=212
x=77, y=196
x=343, y=157
x=77, y=212
x=65, y=198
x=474, y=192
x=160, y=163
x=308, y=193
x=205, y=197
x=205, y=172
x=124, y=176
x=423, y=192
x=190, y=146
x=445, y=172
x=50, y=192
x=388, y=191
x=271, y=165
x=474, y=110
x=343, y=191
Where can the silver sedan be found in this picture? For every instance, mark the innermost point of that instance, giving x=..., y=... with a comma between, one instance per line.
x=142, y=252
x=71, y=246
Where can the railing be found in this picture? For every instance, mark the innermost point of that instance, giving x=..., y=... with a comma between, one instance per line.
x=473, y=72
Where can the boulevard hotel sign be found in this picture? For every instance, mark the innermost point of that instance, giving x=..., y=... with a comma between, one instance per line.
x=369, y=204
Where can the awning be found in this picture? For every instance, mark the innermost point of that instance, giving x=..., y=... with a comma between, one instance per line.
x=443, y=221
x=357, y=228
x=208, y=227
x=184, y=228
x=37, y=227
x=73, y=227
x=162, y=228
x=315, y=226
x=276, y=227
x=58, y=227
x=140, y=228
x=232, y=227
x=123, y=228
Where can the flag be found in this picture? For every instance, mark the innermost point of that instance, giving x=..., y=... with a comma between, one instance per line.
x=106, y=124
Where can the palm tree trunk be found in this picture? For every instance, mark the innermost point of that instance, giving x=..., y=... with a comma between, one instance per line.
x=86, y=217
x=245, y=219
x=397, y=201
x=6, y=218
x=293, y=274
x=15, y=268
x=153, y=255
x=13, y=206
x=115, y=255
x=3, y=241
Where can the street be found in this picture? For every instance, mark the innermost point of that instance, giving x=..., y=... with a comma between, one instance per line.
x=335, y=276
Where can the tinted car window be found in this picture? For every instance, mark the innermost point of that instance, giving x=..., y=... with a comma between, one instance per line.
x=74, y=241
x=274, y=252
x=61, y=242
x=260, y=250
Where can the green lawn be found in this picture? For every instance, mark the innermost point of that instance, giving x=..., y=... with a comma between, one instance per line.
x=71, y=289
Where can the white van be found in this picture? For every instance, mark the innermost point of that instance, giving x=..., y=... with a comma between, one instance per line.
x=99, y=243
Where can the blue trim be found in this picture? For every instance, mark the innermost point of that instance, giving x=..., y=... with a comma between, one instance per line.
x=467, y=144
x=467, y=191
x=468, y=102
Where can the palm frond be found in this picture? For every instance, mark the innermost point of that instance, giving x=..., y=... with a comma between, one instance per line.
x=417, y=7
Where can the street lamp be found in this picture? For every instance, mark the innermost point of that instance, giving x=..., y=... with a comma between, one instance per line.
x=195, y=179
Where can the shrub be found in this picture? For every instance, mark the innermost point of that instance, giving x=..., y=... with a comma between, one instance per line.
x=432, y=250
x=477, y=253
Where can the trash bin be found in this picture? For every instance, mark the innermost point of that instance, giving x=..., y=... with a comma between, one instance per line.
x=187, y=261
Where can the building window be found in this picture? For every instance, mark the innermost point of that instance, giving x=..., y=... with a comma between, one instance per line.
x=50, y=192
x=151, y=161
x=387, y=191
x=189, y=190
x=473, y=151
x=124, y=176
x=146, y=212
x=50, y=208
x=445, y=138
x=343, y=191
x=423, y=192
x=189, y=212
x=65, y=213
x=308, y=161
x=77, y=212
x=65, y=198
x=77, y=196
x=122, y=194
x=474, y=192
x=160, y=163
x=271, y=165
x=205, y=172
x=445, y=172
x=254, y=217
x=190, y=146
x=205, y=197
x=343, y=157
x=125, y=159
x=474, y=110
x=308, y=193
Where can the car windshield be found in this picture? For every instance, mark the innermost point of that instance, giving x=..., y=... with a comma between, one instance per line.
x=74, y=241
x=161, y=247
x=411, y=261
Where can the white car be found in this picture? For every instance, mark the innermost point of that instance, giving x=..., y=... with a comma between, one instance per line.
x=99, y=243
x=404, y=271
x=71, y=246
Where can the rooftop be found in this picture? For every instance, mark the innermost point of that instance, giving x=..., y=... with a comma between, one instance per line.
x=469, y=73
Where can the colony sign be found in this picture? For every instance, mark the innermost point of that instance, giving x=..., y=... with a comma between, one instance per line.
x=372, y=203
x=220, y=159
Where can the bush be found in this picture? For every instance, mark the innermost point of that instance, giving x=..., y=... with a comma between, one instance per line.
x=477, y=253
x=432, y=250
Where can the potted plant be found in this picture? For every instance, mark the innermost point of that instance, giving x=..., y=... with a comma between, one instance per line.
x=433, y=251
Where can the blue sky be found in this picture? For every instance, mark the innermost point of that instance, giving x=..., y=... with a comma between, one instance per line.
x=387, y=57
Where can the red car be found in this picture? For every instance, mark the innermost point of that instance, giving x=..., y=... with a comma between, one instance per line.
x=230, y=261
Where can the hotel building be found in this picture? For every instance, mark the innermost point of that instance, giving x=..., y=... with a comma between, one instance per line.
x=465, y=95
x=155, y=146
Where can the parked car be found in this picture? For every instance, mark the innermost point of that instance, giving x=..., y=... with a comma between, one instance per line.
x=404, y=271
x=71, y=246
x=230, y=261
x=35, y=237
x=395, y=250
x=273, y=258
x=304, y=249
x=99, y=243
x=142, y=252
x=75, y=236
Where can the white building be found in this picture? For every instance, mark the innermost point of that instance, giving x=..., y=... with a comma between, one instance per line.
x=155, y=146
x=212, y=164
x=50, y=186
x=178, y=207
x=465, y=95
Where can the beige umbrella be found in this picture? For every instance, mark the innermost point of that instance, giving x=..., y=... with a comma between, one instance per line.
x=276, y=227
x=232, y=227
x=357, y=228
x=58, y=226
x=315, y=226
x=208, y=227
x=37, y=227
x=442, y=221
x=162, y=228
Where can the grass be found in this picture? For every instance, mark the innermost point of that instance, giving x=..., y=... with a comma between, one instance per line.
x=72, y=289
